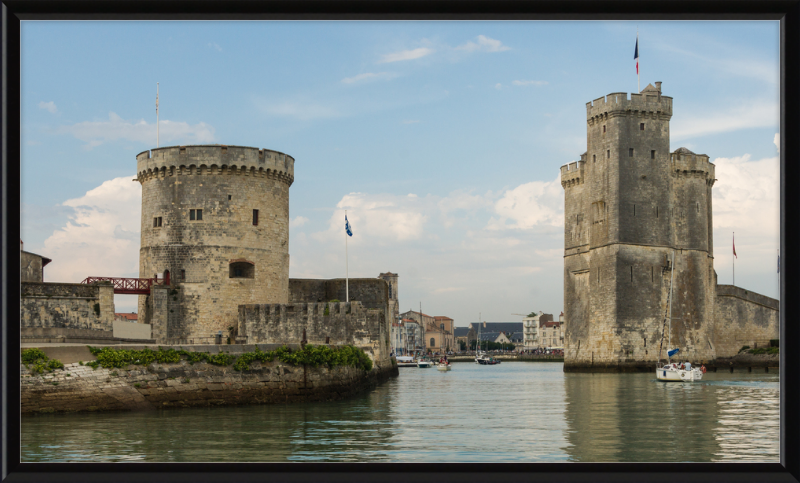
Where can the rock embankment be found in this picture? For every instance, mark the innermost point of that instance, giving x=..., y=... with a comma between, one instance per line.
x=80, y=388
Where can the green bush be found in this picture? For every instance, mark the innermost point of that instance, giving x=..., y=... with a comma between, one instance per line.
x=29, y=356
x=744, y=348
x=39, y=360
x=309, y=355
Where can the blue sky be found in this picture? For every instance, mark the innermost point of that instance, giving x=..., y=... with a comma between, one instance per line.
x=443, y=140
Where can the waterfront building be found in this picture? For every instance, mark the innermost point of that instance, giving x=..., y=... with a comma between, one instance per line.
x=391, y=279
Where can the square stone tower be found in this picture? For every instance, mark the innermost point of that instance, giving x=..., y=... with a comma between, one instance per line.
x=629, y=203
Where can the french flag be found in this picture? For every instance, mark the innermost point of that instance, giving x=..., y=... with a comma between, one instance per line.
x=636, y=54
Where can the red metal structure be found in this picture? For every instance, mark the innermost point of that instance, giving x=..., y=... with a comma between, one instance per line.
x=132, y=286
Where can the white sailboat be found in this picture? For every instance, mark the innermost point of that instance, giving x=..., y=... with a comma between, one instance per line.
x=682, y=372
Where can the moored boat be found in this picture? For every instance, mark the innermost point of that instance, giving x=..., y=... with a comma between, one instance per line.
x=406, y=361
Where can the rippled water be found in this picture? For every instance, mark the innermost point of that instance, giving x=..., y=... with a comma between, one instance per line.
x=515, y=411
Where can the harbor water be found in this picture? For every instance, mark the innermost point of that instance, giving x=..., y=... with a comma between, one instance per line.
x=511, y=412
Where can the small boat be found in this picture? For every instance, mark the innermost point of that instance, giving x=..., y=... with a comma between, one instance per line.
x=486, y=360
x=424, y=363
x=406, y=361
x=443, y=365
x=675, y=372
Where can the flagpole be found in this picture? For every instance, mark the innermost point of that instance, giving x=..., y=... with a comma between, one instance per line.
x=733, y=260
x=346, y=266
x=156, y=114
x=638, y=82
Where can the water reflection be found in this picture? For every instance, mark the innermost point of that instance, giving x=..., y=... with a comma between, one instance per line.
x=635, y=418
x=528, y=412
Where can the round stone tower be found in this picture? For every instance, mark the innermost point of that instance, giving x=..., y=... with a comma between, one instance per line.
x=215, y=225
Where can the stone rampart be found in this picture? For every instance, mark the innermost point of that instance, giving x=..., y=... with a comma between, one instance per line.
x=80, y=388
x=744, y=318
x=370, y=292
x=67, y=305
x=338, y=323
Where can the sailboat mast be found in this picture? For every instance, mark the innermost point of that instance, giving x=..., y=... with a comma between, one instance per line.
x=671, y=282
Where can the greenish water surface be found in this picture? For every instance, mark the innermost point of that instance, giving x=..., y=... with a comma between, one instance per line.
x=512, y=412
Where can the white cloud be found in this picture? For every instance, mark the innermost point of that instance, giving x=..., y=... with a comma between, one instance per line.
x=369, y=76
x=215, y=46
x=95, y=133
x=529, y=83
x=498, y=86
x=746, y=195
x=484, y=44
x=48, y=106
x=749, y=114
x=102, y=235
x=530, y=205
x=298, y=222
x=406, y=55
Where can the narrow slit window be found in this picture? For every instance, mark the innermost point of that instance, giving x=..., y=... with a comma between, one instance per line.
x=191, y=214
x=641, y=127
x=594, y=158
x=652, y=279
x=229, y=197
x=183, y=274
x=652, y=154
x=656, y=211
x=604, y=129
x=608, y=154
x=631, y=273
x=255, y=217
x=634, y=210
x=696, y=204
x=630, y=152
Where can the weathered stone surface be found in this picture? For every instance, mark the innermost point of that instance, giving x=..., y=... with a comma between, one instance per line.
x=97, y=390
x=629, y=203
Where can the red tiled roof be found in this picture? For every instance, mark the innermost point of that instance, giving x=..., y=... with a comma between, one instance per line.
x=441, y=317
x=127, y=316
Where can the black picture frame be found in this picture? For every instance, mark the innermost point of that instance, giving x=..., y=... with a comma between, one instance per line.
x=787, y=11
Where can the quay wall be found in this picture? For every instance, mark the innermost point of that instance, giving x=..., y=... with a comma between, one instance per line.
x=79, y=388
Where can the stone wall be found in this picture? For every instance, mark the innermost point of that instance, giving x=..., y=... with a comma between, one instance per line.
x=744, y=318
x=372, y=293
x=317, y=323
x=31, y=266
x=67, y=305
x=81, y=388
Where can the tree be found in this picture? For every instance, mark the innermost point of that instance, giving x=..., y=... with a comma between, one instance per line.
x=532, y=314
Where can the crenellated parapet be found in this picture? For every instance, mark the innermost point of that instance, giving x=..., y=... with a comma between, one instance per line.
x=572, y=174
x=214, y=160
x=647, y=104
x=687, y=164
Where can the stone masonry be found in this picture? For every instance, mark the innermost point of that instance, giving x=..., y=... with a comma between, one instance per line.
x=215, y=220
x=629, y=204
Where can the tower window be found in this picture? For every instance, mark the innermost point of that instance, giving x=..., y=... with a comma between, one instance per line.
x=229, y=197
x=242, y=269
x=652, y=154
x=255, y=217
x=631, y=273
x=608, y=154
x=641, y=127
x=196, y=215
x=157, y=221
x=604, y=129
x=594, y=158
x=183, y=274
x=634, y=210
x=696, y=204
x=630, y=152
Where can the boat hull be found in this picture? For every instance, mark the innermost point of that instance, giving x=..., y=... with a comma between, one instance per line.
x=679, y=375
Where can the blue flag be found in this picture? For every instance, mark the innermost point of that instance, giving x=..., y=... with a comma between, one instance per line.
x=347, y=226
x=673, y=352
